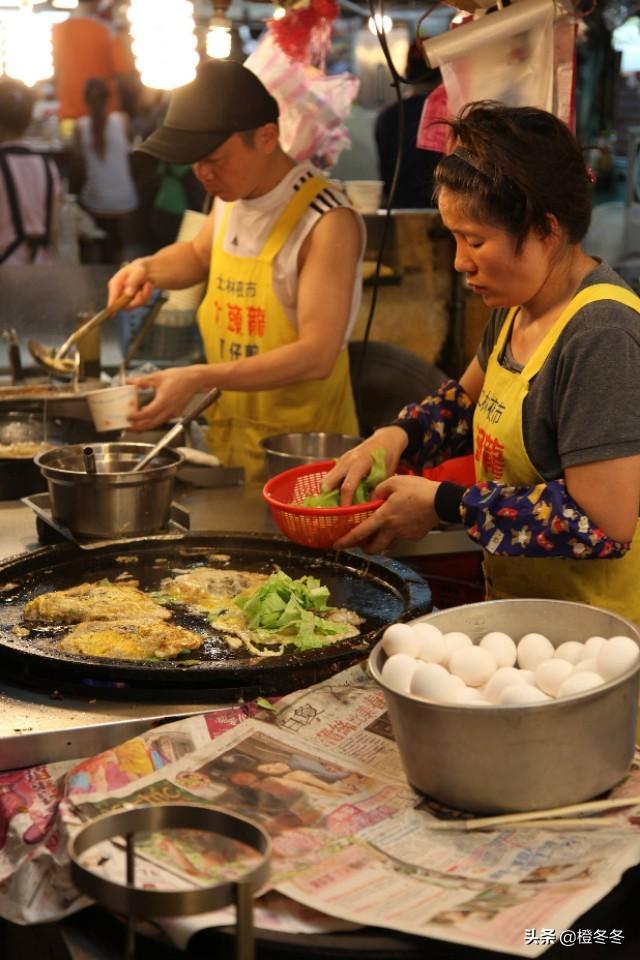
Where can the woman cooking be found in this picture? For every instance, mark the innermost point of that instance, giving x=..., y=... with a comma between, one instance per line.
x=550, y=405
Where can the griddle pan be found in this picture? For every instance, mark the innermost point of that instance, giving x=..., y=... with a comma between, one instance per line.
x=378, y=589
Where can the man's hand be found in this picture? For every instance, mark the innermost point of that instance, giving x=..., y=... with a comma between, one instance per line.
x=132, y=279
x=408, y=513
x=173, y=391
x=354, y=465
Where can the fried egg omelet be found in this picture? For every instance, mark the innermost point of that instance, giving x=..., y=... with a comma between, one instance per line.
x=141, y=640
x=210, y=589
x=102, y=600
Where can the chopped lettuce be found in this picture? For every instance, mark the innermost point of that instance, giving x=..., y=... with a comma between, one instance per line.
x=364, y=490
x=286, y=606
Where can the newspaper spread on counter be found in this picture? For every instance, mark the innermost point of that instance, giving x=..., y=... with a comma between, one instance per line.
x=352, y=843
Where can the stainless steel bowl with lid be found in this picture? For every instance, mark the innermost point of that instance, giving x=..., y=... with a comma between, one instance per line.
x=286, y=450
x=113, y=502
x=500, y=759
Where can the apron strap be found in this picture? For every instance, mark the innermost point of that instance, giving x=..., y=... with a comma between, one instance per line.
x=290, y=215
x=598, y=291
x=41, y=240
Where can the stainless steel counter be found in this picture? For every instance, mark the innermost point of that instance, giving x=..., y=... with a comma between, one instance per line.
x=35, y=728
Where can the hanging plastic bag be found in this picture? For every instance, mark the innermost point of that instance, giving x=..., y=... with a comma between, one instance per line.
x=313, y=105
x=519, y=55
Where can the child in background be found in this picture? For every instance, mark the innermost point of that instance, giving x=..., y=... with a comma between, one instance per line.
x=108, y=192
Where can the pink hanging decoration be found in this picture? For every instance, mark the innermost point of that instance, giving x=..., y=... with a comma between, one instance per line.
x=304, y=33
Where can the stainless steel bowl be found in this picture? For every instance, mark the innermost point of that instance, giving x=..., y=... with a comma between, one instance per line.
x=286, y=450
x=113, y=502
x=507, y=758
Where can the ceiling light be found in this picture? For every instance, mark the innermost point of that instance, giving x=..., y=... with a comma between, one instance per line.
x=218, y=40
x=25, y=45
x=163, y=42
x=64, y=4
x=380, y=24
x=278, y=13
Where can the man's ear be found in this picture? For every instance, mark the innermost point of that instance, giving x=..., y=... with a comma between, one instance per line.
x=267, y=137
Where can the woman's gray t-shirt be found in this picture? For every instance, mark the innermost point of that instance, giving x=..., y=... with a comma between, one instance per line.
x=584, y=404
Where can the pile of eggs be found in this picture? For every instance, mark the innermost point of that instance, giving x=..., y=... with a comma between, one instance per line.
x=450, y=668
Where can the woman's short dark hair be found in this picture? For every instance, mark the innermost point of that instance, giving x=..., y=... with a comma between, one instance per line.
x=517, y=165
x=16, y=105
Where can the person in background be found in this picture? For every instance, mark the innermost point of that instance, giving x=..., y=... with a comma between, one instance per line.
x=550, y=403
x=282, y=249
x=414, y=188
x=84, y=46
x=29, y=185
x=101, y=143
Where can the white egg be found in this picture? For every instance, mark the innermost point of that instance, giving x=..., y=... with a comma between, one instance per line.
x=592, y=646
x=398, y=670
x=528, y=676
x=617, y=656
x=432, y=648
x=522, y=694
x=400, y=638
x=501, y=646
x=549, y=674
x=432, y=682
x=533, y=648
x=503, y=677
x=470, y=696
x=472, y=664
x=589, y=665
x=453, y=641
x=579, y=682
x=570, y=650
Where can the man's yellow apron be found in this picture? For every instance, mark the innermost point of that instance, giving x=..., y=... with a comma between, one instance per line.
x=500, y=455
x=241, y=316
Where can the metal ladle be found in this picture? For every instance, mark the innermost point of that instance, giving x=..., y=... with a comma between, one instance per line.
x=57, y=362
x=214, y=394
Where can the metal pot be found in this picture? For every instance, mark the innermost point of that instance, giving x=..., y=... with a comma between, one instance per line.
x=507, y=758
x=20, y=476
x=114, y=502
x=286, y=450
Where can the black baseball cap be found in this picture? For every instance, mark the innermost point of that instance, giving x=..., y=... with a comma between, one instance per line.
x=225, y=98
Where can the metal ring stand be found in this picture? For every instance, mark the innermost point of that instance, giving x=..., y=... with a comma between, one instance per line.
x=126, y=898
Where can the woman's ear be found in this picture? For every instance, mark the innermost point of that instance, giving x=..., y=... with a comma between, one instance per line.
x=553, y=229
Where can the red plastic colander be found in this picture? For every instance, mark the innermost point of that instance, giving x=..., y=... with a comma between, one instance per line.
x=311, y=526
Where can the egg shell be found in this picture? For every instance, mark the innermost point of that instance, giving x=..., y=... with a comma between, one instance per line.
x=503, y=677
x=533, y=648
x=470, y=696
x=426, y=630
x=474, y=665
x=432, y=682
x=616, y=656
x=501, y=646
x=521, y=695
x=549, y=674
x=590, y=665
x=570, y=650
x=579, y=682
x=592, y=646
x=453, y=641
x=398, y=671
x=432, y=648
x=528, y=676
x=400, y=638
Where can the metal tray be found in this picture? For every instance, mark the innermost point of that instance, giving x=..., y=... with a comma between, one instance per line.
x=378, y=589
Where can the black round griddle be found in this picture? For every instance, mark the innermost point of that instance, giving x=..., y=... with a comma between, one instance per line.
x=379, y=590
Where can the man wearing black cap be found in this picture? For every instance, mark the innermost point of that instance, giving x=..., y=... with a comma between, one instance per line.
x=283, y=255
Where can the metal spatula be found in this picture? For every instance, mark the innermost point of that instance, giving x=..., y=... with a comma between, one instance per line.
x=209, y=398
x=57, y=362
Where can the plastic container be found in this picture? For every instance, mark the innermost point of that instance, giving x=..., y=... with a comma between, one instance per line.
x=311, y=526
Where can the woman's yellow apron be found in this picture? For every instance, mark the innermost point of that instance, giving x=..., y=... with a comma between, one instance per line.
x=241, y=316
x=500, y=455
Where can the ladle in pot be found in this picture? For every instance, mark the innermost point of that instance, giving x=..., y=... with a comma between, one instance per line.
x=209, y=398
x=58, y=362
x=89, y=458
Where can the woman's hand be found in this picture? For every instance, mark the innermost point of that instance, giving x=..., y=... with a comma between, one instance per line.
x=132, y=279
x=173, y=390
x=354, y=465
x=408, y=513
